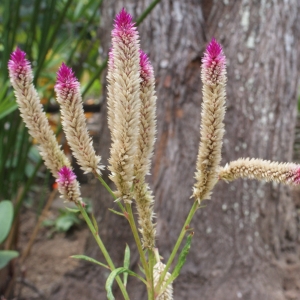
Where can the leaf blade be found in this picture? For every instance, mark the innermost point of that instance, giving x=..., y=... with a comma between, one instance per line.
x=6, y=218
x=6, y=256
x=90, y=259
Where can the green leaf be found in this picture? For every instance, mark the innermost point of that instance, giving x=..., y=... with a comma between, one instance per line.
x=72, y=210
x=182, y=257
x=112, y=276
x=116, y=212
x=65, y=222
x=6, y=108
x=87, y=258
x=6, y=218
x=6, y=256
x=126, y=264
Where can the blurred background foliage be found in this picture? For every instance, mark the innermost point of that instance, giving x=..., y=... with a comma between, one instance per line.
x=50, y=32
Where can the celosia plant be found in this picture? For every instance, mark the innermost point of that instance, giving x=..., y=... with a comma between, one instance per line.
x=131, y=119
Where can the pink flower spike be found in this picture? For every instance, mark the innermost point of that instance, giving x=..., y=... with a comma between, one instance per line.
x=18, y=64
x=65, y=176
x=68, y=186
x=146, y=68
x=66, y=79
x=123, y=24
x=214, y=64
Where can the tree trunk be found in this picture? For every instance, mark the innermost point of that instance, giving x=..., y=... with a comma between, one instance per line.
x=245, y=242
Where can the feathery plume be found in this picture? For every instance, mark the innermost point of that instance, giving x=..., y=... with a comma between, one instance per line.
x=146, y=138
x=126, y=103
x=287, y=173
x=157, y=270
x=21, y=78
x=213, y=76
x=74, y=122
x=68, y=186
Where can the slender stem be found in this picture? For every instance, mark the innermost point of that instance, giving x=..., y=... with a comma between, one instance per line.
x=110, y=191
x=136, y=237
x=177, y=245
x=151, y=260
x=146, y=12
x=140, y=248
x=102, y=248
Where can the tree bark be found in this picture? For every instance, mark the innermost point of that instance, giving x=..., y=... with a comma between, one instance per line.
x=245, y=242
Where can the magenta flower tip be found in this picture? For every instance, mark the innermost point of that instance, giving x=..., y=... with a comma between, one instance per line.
x=123, y=23
x=18, y=63
x=66, y=78
x=146, y=68
x=214, y=49
x=123, y=19
x=214, y=63
x=214, y=54
x=297, y=175
x=65, y=176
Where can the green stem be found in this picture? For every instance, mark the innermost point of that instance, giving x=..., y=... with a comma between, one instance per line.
x=177, y=245
x=140, y=248
x=136, y=237
x=151, y=259
x=102, y=248
x=110, y=191
x=146, y=12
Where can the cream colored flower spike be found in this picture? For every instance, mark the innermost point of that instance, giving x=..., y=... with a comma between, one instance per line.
x=126, y=104
x=157, y=270
x=287, y=173
x=213, y=76
x=146, y=138
x=74, y=122
x=21, y=78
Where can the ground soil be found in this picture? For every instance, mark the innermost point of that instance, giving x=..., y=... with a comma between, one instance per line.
x=50, y=258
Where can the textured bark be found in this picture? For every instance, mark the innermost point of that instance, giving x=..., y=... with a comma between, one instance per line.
x=245, y=243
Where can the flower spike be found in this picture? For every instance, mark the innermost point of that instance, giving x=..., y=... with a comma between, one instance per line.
x=286, y=173
x=21, y=78
x=157, y=271
x=146, y=138
x=124, y=103
x=213, y=76
x=73, y=120
x=68, y=186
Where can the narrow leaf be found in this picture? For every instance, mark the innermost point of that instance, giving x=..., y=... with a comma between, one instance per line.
x=182, y=256
x=84, y=257
x=126, y=264
x=73, y=210
x=113, y=275
x=116, y=212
